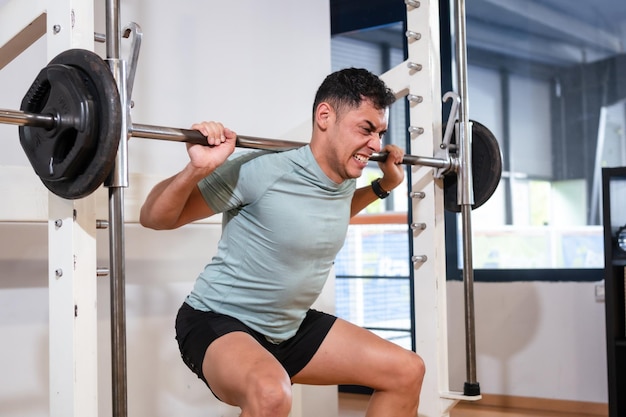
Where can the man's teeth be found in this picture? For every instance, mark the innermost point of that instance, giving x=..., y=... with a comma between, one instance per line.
x=361, y=158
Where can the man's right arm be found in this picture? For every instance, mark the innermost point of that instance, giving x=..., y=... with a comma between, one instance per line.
x=177, y=200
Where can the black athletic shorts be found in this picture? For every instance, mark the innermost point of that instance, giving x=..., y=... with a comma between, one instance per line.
x=196, y=330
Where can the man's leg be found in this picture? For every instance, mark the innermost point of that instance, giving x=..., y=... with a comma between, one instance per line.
x=352, y=355
x=242, y=373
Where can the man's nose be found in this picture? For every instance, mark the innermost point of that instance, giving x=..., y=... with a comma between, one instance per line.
x=375, y=144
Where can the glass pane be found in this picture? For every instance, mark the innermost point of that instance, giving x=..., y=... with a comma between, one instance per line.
x=377, y=250
x=379, y=304
x=618, y=202
x=372, y=285
x=545, y=78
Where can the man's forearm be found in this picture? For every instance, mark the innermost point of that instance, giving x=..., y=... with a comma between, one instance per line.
x=167, y=201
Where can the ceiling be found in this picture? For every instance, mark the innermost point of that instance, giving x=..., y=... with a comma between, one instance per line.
x=550, y=31
x=546, y=32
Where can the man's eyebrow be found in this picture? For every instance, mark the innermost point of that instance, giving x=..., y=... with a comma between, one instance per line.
x=372, y=127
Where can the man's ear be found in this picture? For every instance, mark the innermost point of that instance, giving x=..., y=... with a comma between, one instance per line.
x=324, y=115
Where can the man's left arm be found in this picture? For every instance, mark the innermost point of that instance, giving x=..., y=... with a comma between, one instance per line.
x=393, y=175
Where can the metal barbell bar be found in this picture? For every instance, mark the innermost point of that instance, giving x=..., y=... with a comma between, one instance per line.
x=251, y=142
x=48, y=121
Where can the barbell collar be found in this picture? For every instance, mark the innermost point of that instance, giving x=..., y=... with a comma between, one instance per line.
x=444, y=164
x=119, y=176
x=465, y=194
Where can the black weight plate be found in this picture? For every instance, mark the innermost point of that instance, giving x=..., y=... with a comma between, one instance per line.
x=96, y=77
x=486, y=169
x=61, y=152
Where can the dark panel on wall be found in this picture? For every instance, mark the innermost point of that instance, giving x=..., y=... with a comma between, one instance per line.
x=584, y=90
x=350, y=15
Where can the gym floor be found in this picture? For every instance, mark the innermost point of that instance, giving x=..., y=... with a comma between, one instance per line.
x=354, y=405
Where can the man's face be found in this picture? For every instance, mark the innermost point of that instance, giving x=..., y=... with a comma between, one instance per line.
x=354, y=137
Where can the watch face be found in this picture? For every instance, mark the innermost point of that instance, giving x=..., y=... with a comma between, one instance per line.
x=621, y=239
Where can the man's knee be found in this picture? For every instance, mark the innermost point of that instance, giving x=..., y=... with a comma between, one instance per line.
x=270, y=395
x=412, y=371
x=419, y=369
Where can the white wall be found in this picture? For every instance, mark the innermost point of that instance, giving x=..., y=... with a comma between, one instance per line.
x=252, y=65
x=533, y=339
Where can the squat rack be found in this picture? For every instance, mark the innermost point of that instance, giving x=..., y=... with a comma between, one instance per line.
x=119, y=180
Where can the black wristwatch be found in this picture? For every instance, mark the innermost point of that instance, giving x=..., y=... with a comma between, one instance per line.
x=378, y=190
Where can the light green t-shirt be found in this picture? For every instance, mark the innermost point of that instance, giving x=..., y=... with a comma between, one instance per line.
x=283, y=223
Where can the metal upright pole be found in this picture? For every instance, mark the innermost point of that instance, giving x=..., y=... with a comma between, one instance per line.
x=116, y=182
x=466, y=199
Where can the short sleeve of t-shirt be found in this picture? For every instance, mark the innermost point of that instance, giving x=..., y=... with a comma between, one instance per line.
x=223, y=190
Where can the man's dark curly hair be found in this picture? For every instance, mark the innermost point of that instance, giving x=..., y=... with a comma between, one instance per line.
x=348, y=87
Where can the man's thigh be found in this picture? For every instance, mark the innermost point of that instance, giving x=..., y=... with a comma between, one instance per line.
x=353, y=355
x=234, y=363
x=228, y=355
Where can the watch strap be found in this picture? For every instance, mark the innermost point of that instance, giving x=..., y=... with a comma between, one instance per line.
x=378, y=190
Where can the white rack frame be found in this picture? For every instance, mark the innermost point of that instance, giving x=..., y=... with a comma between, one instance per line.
x=71, y=223
x=420, y=76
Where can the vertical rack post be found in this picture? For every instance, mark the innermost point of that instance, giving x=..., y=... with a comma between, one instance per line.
x=466, y=199
x=116, y=183
x=72, y=281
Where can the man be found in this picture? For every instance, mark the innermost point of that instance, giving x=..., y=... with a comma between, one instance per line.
x=247, y=329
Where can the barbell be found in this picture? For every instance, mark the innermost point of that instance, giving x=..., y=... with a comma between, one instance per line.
x=70, y=127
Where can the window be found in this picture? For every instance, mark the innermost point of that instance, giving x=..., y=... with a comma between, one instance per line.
x=548, y=80
x=373, y=281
